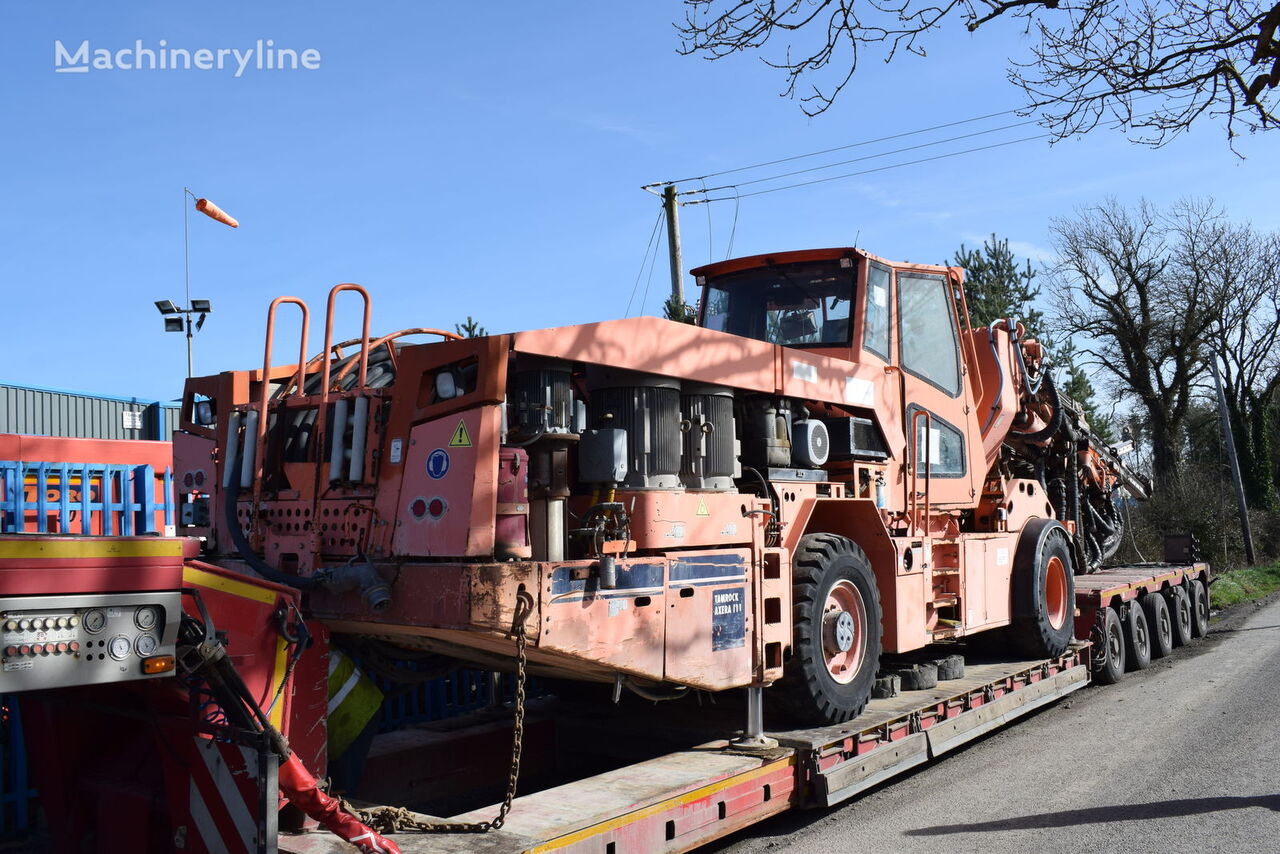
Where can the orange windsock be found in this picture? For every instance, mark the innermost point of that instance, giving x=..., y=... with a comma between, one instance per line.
x=212, y=211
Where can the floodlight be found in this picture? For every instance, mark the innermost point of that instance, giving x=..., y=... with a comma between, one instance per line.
x=166, y=306
x=173, y=324
x=201, y=305
x=200, y=322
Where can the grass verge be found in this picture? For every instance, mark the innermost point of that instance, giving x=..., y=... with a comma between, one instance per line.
x=1245, y=585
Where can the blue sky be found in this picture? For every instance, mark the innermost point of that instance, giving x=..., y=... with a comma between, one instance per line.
x=475, y=159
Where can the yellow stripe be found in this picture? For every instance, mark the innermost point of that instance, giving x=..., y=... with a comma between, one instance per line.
x=40, y=548
x=200, y=578
x=660, y=807
x=282, y=648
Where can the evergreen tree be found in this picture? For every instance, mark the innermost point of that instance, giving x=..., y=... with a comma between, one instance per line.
x=997, y=287
x=470, y=329
x=678, y=310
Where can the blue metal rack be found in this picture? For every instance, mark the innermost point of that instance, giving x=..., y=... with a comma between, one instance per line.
x=69, y=497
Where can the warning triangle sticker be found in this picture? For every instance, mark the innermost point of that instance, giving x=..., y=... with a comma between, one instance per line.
x=702, y=508
x=461, y=438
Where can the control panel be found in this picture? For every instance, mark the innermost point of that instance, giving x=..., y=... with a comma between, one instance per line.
x=64, y=641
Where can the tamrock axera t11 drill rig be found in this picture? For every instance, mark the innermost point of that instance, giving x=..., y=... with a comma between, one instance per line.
x=830, y=465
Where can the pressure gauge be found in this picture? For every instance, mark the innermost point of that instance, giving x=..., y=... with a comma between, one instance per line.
x=94, y=621
x=119, y=647
x=146, y=645
x=145, y=617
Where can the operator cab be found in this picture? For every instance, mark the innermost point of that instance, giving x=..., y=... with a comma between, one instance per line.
x=801, y=304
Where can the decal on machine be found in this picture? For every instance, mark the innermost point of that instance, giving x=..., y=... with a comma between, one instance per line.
x=460, y=438
x=438, y=463
x=804, y=372
x=728, y=618
x=859, y=391
x=397, y=450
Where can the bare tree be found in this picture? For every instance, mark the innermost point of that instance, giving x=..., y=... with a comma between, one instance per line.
x=1246, y=339
x=1092, y=61
x=1124, y=292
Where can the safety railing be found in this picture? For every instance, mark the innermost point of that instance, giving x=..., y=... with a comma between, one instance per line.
x=97, y=499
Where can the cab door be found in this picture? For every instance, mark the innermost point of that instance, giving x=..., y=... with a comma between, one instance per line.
x=938, y=417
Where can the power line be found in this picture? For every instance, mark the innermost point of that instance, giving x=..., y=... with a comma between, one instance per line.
x=738, y=196
x=869, y=171
x=644, y=260
x=858, y=159
x=837, y=148
x=862, y=143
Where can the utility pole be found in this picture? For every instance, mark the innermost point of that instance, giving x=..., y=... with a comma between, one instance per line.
x=1229, y=440
x=672, y=207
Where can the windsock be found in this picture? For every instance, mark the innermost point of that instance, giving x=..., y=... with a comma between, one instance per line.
x=212, y=211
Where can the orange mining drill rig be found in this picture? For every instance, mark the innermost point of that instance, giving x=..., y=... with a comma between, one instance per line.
x=831, y=465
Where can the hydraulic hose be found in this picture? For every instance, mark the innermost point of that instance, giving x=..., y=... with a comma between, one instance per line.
x=256, y=563
x=1055, y=422
x=356, y=574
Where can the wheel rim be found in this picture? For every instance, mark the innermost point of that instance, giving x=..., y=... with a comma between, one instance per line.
x=844, y=638
x=1140, y=633
x=1055, y=592
x=1115, y=644
x=1202, y=607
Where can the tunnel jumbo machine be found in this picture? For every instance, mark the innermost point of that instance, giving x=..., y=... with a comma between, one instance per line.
x=831, y=465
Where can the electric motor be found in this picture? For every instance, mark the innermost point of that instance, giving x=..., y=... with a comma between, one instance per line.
x=710, y=458
x=540, y=398
x=647, y=407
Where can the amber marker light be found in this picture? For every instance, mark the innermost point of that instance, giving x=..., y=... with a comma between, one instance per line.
x=157, y=664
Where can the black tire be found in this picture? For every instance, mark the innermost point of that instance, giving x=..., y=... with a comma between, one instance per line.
x=1199, y=608
x=1108, y=655
x=1159, y=623
x=1137, y=638
x=918, y=677
x=1180, y=611
x=1043, y=592
x=951, y=667
x=823, y=565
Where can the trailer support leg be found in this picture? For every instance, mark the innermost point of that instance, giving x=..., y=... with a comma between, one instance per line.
x=754, y=738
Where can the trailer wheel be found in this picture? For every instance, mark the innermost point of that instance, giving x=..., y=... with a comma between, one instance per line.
x=837, y=632
x=1180, y=611
x=1160, y=623
x=1199, y=608
x=1109, y=657
x=1137, y=637
x=1043, y=592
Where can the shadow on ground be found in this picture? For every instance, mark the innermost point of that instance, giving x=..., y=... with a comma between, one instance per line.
x=1100, y=815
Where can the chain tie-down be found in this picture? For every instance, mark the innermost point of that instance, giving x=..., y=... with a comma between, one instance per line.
x=401, y=820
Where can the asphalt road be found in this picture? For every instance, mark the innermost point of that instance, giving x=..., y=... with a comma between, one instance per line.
x=1184, y=756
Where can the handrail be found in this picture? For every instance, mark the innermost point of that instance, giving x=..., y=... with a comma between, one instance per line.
x=259, y=451
x=328, y=337
x=975, y=371
x=914, y=505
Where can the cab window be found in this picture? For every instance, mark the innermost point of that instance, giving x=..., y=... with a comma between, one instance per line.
x=797, y=305
x=875, y=336
x=927, y=336
x=939, y=446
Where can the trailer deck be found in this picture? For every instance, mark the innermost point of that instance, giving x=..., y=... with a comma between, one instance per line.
x=688, y=798
x=691, y=796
